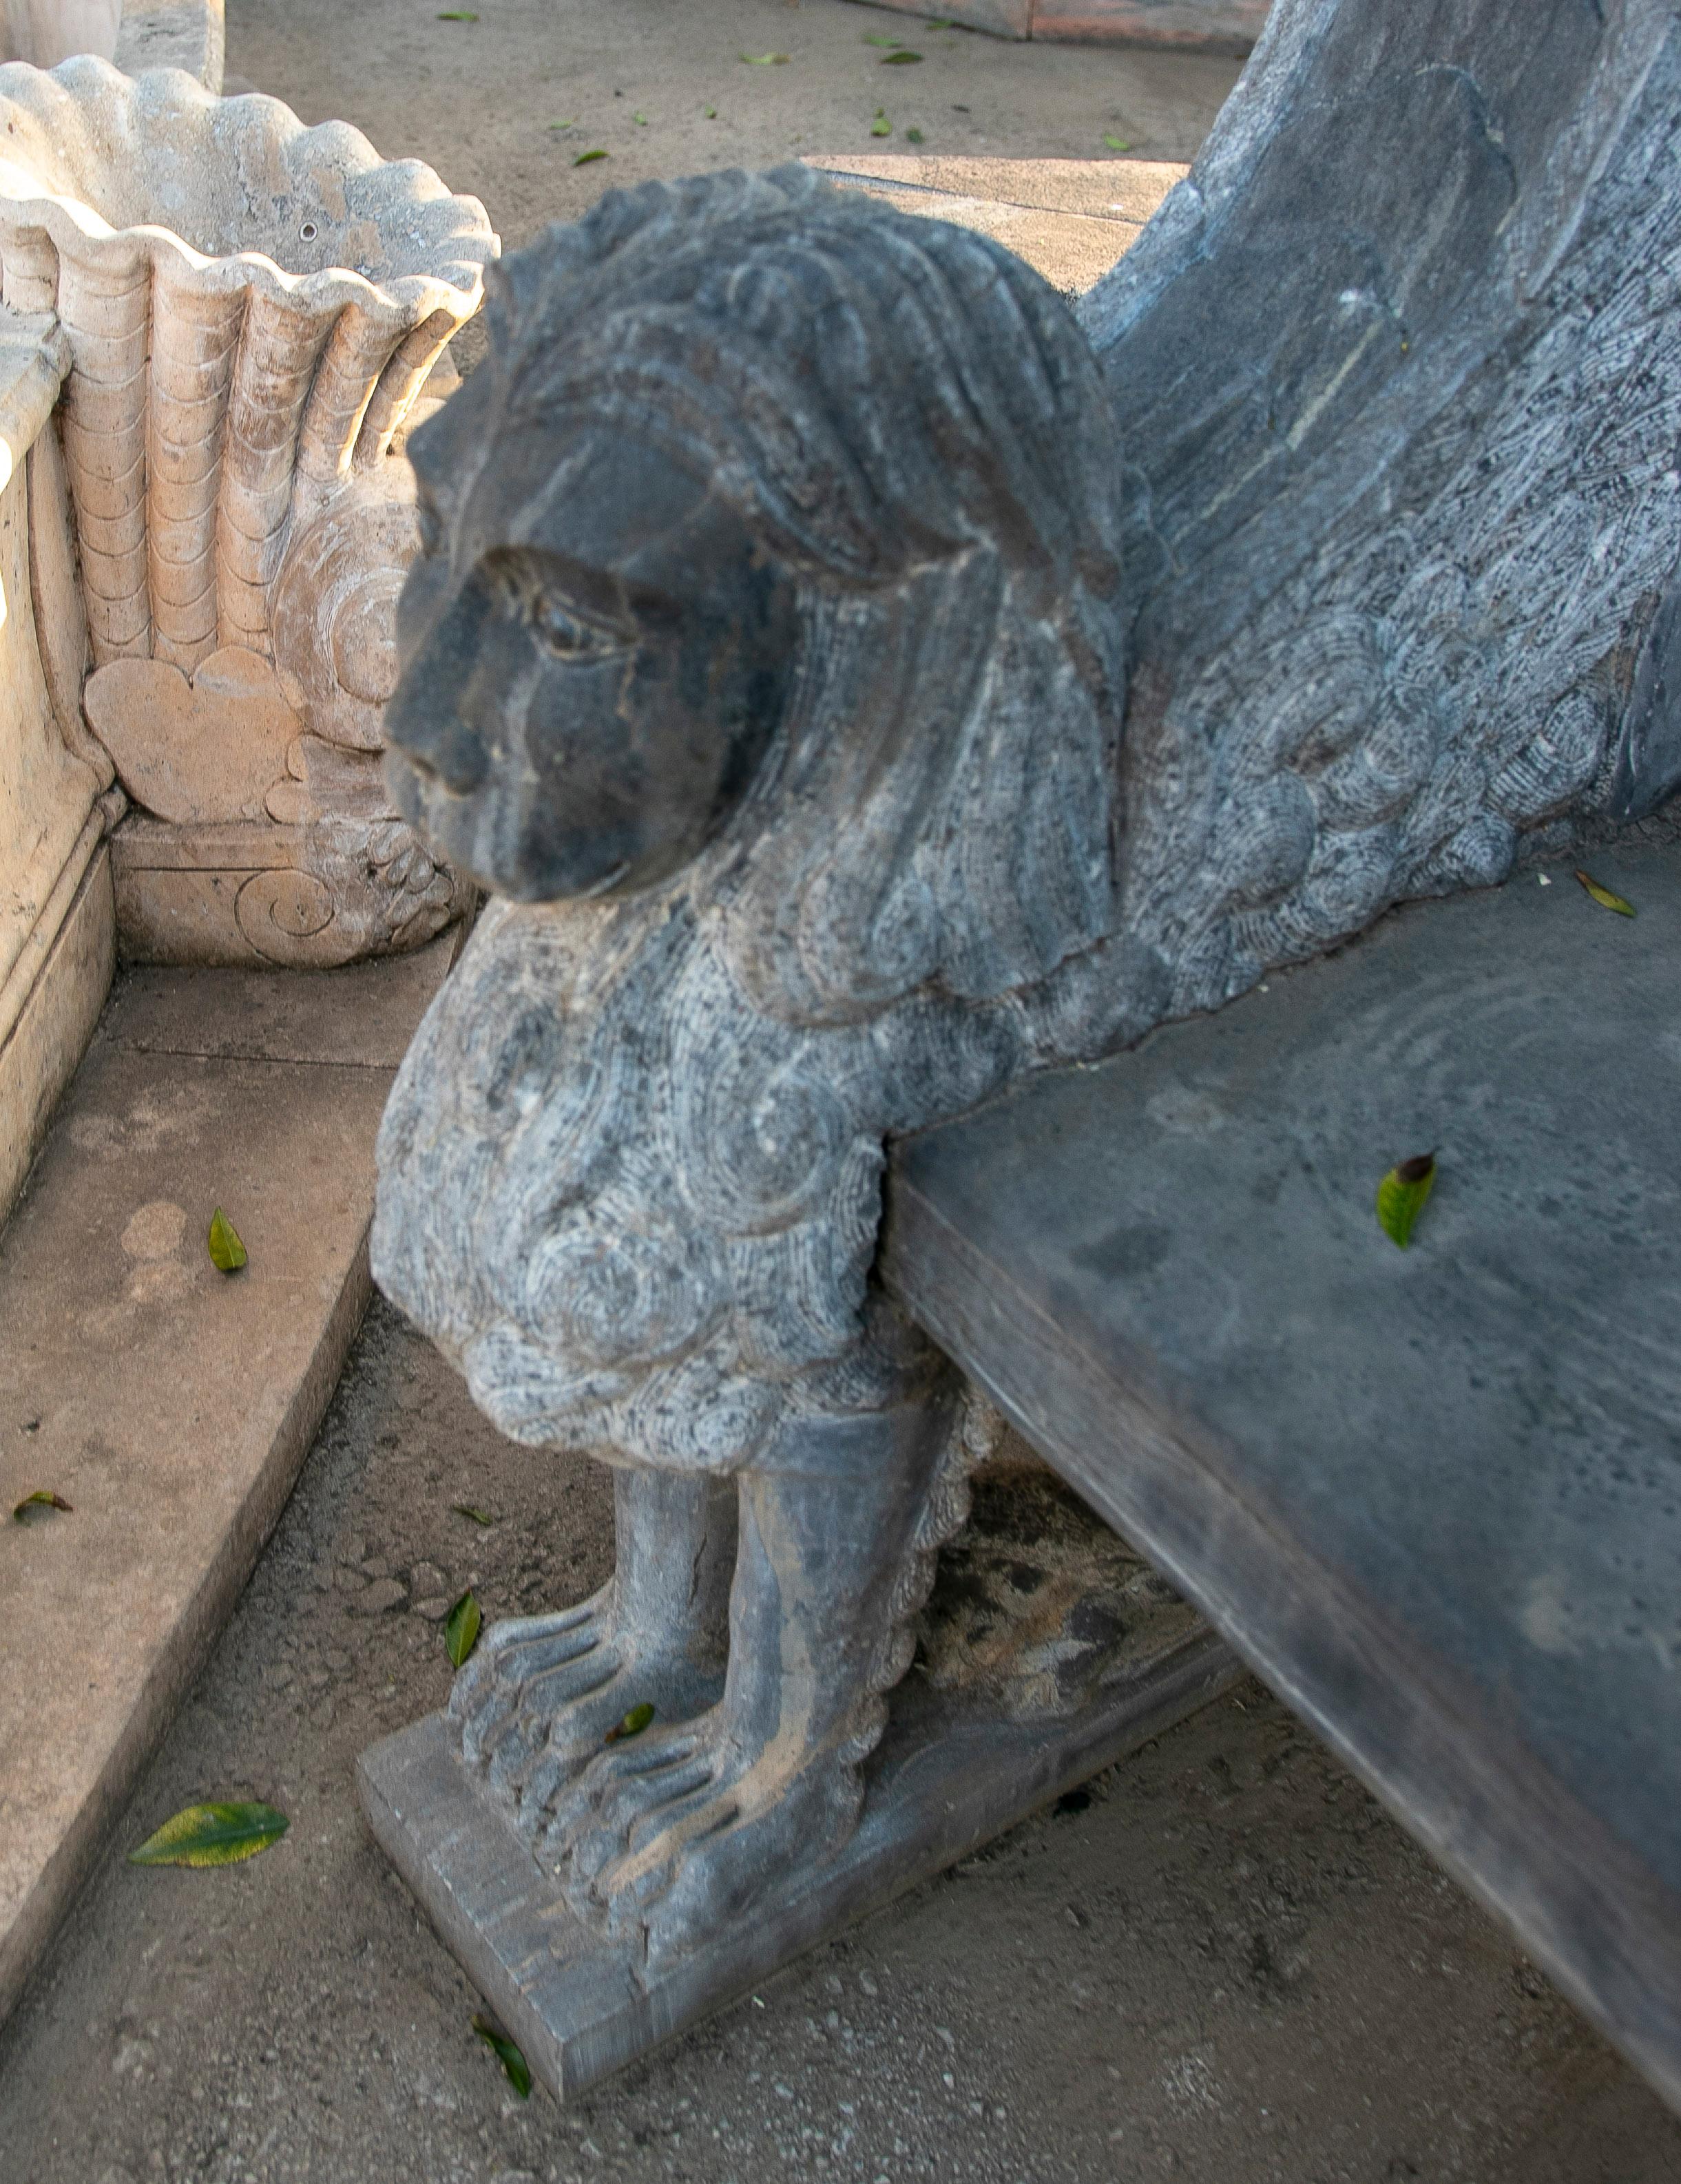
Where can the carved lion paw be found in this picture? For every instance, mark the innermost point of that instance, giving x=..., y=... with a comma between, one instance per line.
x=672, y=1834
x=536, y=1702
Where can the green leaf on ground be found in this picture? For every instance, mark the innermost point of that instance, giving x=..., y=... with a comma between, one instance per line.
x=1605, y=898
x=212, y=1835
x=43, y=1498
x=460, y=1628
x=478, y=1516
x=903, y=58
x=632, y=1723
x=764, y=60
x=227, y=1252
x=1401, y=1197
x=640, y=119
x=711, y=113
x=881, y=126
x=881, y=38
x=515, y=2067
x=913, y=135
x=457, y=16
x=584, y=158
x=557, y=126
x=1119, y=143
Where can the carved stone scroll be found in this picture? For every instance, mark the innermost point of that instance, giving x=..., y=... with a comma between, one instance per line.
x=861, y=682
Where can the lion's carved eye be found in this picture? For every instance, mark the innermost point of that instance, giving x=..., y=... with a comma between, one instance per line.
x=559, y=631
x=525, y=585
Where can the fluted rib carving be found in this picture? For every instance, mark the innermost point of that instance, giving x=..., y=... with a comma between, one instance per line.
x=399, y=382
x=104, y=306
x=278, y=352
x=356, y=352
x=195, y=335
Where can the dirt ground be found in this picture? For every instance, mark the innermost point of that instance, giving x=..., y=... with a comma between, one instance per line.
x=1222, y=1963
x=662, y=87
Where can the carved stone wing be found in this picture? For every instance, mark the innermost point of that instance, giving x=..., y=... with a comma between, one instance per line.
x=1398, y=371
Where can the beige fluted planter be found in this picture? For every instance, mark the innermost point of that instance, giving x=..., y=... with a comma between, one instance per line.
x=251, y=309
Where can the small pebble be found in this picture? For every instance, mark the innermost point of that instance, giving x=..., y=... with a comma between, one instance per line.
x=383, y=1593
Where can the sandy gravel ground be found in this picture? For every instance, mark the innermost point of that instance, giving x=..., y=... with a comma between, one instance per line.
x=662, y=87
x=1221, y=1963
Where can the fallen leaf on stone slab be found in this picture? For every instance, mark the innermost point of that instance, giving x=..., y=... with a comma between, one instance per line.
x=457, y=16
x=1401, y=1197
x=881, y=126
x=640, y=119
x=881, y=38
x=584, y=158
x=764, y=60
x=913, y=135
x=558, y=125
x=227, y=1252
x=1119, y=143
x=903, y=58
x=460, y=1628
x=632, y=1723
x=43, y=1498
x=711, y=113
x=212, y=1835
x=515, y=2067
x=1605, y=898
x=478, y=1516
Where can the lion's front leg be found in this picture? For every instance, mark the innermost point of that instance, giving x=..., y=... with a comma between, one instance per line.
x=668, y=1837
x=540, y=1695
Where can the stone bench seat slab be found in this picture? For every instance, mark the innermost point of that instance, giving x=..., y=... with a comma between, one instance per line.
x=1433, y=1495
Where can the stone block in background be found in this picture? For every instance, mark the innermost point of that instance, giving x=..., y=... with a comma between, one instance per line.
x=1222, y=26
x=1070, y=218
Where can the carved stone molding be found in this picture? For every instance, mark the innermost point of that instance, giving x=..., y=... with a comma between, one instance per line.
x=56, y=932
x=252, y=309
x=863, y=680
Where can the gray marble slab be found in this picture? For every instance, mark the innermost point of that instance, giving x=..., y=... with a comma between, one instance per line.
x=1432, y=1495
x=942, y=1782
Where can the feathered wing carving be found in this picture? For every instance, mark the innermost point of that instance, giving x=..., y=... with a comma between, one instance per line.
x=1399, y=368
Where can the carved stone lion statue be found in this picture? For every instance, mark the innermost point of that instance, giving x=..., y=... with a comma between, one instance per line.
x=785, y=568
x=762, y=662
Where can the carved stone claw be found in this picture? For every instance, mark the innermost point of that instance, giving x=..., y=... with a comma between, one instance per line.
x=525, y=1669
x=536, y=1702
x=671, y=1839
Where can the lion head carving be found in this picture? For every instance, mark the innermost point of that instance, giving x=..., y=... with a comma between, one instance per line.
x=764, y=656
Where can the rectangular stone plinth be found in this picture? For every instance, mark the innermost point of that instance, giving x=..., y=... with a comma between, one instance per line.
x=170, y=1405
x=1218, y=26
x=943, y=1783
